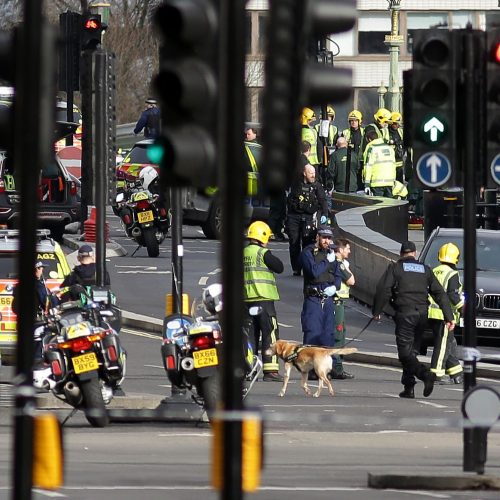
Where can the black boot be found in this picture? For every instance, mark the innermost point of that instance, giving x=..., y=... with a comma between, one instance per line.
x=408, y=393
x=429, y=380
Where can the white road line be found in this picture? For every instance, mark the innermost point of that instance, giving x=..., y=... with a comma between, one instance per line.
x=144, y=272
x=429, y=403
x=284, y=325
x=217, y=270
x=155, y=366
x=140, y=334
x=50, y=494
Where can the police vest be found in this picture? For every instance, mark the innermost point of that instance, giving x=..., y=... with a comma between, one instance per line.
x=311, y=136
x=443, y=274
x=326, y=276
x=380, y=166
x=259, y=282
x=305, y=199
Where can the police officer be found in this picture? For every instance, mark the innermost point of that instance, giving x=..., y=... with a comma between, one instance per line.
x=408, y=283
x=379, y=172
x=396, y=141
x=260, y=290
x=149, y=120
x=443, y=358
x=322, y=278
x=342, y=252
x=306, y=197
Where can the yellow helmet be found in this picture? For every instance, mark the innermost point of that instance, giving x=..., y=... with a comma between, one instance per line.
x=382, y=116
x=259, y=231
x=399, y=190
x=307, y=116
x=355, y=115
x=330, y=111
x=396, y=118
x=449, y=253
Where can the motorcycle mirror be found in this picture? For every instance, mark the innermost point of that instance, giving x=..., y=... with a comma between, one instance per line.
x=255, y=310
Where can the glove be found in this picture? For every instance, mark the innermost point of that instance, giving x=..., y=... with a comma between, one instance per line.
x=330, y=290
x=323, y=219
x=330, y=257
x=368, y=191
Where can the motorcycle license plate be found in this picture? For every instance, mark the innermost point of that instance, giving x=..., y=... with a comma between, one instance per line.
x=207, y=357
x=85, y=363
x=145, y=216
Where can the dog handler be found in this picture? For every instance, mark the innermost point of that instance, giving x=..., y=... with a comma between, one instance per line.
x=322, y=278
x=260, y=289
x=408, y=283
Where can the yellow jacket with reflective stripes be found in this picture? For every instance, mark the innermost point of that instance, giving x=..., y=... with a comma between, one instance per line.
x=311, y=136
x=444, y=273
x=380, y=166
x=259, y=282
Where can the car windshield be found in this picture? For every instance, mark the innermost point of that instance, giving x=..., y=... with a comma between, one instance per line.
x=138, y=154
x=487, y=251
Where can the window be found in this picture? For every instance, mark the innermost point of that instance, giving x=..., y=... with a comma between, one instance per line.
x=371, y=33
x=419, y=21
x=263, y=23
x=367, y=104
x=248, y=34
x=492, y=19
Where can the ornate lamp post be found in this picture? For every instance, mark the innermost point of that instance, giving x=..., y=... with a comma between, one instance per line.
x=394, y=41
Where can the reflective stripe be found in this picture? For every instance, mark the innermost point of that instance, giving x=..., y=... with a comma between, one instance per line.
x=343, y=293
x=443, y=274
x=259, y=282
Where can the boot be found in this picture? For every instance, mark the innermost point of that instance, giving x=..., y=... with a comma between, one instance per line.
x=458, y=379
x=408, y=393
x=429, y=380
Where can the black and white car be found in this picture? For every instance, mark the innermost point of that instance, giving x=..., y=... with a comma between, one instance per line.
x=487, y=299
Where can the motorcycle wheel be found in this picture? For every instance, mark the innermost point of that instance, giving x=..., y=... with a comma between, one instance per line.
x=150, y=242
x=209, y=389
x=92, y=401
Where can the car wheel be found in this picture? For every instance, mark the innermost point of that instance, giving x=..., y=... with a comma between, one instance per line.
x=212, y=227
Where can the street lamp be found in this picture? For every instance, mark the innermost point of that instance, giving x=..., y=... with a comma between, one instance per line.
x=394, y=41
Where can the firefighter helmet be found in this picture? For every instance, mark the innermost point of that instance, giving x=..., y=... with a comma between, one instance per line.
x=382, y=116
x=330, y=112
x=259, y=231
x=355, y=115
x=307, y=116
x=449, y=254
x=396, y=118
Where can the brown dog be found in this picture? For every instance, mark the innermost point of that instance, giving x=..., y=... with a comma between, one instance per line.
x=305, y=359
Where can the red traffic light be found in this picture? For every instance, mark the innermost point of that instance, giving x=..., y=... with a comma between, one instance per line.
x=92, y=24
x=495, y=51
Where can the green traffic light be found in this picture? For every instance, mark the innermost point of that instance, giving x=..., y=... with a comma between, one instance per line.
x=155, y=153
x=433, y=130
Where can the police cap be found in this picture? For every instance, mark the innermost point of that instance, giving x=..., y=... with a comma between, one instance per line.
x=408, y=247
x=325, y=230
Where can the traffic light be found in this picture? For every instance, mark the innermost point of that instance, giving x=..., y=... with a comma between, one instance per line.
x=493, y=106
x=187, y=88
x=7, y=75
x=430, y=105
x=293, y=81
x=70, y=24
x=92, y=29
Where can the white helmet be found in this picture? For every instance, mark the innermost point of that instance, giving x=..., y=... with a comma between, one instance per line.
x=147, y=176
x=212, y=298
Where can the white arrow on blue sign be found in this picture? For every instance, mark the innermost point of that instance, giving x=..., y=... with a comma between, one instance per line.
x=495, y=169
x=434, y=169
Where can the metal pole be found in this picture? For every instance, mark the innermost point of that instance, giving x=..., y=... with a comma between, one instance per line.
x=470, y=165
x=232, y=184
x=177, y=250
x=33, y=147
x=394, y=41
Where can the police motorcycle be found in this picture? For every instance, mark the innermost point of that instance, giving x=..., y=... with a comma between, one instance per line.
x=144, y=218
x=87, y=363
x=192, y=348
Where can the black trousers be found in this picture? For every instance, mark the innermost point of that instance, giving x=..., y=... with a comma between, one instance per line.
x=277, y=213
x=299, y=228
x=410, y=325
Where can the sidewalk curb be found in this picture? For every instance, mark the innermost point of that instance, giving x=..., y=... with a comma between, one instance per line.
x=113, y=249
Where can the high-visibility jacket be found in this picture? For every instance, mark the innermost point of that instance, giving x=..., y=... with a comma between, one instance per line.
x=259, y=282
x=444, y=273
x=311, y=136
x=347, y=134
x=380, y=166
x=333, y=133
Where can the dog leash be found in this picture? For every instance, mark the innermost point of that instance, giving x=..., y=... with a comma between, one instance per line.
x=360, y=332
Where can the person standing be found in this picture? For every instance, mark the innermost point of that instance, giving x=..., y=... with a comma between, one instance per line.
x=260, y=290
x=251, y=135
x=306, y=197
x=396, y=141
x=355, y=133
x=322, y=278
x=342, y=252
x=443, y=360
x=337, y=169
x=408, y=283
x=149, y=121
x=379, y=172
x=310, y=134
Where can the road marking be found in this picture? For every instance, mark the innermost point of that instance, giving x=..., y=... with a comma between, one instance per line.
x=155, y=366
x=217, y=270
x=50, y=494
x=285, y=325
x=429, y=403
x=140, y=334
x=392, y=431
x=144, y=272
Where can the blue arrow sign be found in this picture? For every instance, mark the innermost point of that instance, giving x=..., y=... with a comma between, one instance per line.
x=434, y=169
x=495, y=169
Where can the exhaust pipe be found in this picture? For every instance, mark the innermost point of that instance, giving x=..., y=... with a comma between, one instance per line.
x=136, y=232
x=187, y=364
x=72, y=392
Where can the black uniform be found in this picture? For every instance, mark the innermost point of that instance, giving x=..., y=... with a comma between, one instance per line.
x=407, y=283
x=303, y=201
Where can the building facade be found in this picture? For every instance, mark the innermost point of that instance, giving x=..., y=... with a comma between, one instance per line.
x=363, y=48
